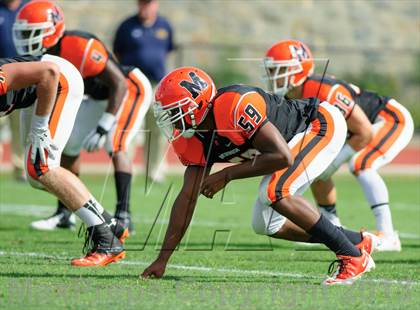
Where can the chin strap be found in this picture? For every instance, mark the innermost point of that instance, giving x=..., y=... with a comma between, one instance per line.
x=192, y=116
x=188, y=133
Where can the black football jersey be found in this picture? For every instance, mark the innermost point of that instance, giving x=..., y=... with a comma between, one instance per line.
x=344, y=95
x=290, y=116
x=239, y=111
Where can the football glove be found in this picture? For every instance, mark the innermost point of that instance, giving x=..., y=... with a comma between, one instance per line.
x=97, y=137
x=40, y=140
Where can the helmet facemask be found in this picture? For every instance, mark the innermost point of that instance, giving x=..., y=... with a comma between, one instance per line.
x=171, y=118
x=29, y=38
x=281, y=69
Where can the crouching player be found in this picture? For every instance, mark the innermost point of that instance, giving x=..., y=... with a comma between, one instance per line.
x=50, y=90
x=378, y=129
x=245, y=125
x=118, y=99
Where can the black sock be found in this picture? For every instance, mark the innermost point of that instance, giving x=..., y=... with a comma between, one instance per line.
x=354, y=236
x=123, y=187
x=333, y=238
x=329, y=208
x=62, y=209
x=108, y=217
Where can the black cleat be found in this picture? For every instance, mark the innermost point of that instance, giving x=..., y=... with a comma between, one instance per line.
x=102, y=247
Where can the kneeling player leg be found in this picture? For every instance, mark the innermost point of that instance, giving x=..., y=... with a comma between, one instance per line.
x=305, y=216
x=86, y=119
x=122, y=175
x=393, y=131
x=66, y=220
x=66, y=186
x=129, y=119
x=325, y=195
x=267, y=221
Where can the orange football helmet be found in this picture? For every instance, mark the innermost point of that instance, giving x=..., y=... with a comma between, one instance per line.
x=39, y=25
x=182, y=101
x=290, y=60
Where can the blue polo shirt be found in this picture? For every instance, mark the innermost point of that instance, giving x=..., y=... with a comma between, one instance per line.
x=7, y=18
x=144, y=47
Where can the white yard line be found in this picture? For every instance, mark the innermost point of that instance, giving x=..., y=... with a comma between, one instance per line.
x=212, y=269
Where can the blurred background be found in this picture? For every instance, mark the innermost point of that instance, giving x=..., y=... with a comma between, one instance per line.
x=372, y=43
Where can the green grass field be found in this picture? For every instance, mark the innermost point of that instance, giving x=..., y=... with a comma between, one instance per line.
x=221, y=264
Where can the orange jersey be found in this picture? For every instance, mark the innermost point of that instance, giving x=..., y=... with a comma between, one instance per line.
x=344, y=96
x=90, y=56
x=85, y=51
x=239, y=111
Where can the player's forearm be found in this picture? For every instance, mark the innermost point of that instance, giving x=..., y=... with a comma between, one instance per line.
x=360, y=128
x=182, y=212
x=47, y=90
x=116, y=96
x=359, y=140
x=263, y=164
x=44, y=75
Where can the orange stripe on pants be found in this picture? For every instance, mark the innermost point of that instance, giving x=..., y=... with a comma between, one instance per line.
x=59, y=104
x=129, y=114
x=38, y=169
x=383, y=139
x=278, y=191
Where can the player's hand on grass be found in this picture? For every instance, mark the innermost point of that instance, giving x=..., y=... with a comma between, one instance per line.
x=155, y=270
x=95, y=140
x=214, y=183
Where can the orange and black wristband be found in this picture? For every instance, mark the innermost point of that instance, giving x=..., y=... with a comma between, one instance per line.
x=3, y=82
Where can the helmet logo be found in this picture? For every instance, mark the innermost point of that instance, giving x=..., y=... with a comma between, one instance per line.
x=54, y=15
x=196, y=85
x=96, y=56
x=299, y=52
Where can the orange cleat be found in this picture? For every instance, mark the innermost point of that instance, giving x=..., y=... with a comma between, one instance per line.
x=349, y=269
x=369, y=242
x=97, y=259
x=119, y=230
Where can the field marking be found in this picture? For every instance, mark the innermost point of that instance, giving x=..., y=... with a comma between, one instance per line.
x=212, y=269
x=45, y=210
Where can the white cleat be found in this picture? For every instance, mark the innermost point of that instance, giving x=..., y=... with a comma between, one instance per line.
x=55, y=222
x=388, y=243
x=331, y=217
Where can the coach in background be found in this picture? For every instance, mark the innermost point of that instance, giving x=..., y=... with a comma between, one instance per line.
x=144, y=41
x=8, y=11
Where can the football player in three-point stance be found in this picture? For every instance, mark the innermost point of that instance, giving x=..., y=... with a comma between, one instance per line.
x=378, y=129
x=50, y=90
x=289, y=142
x=119, y=98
